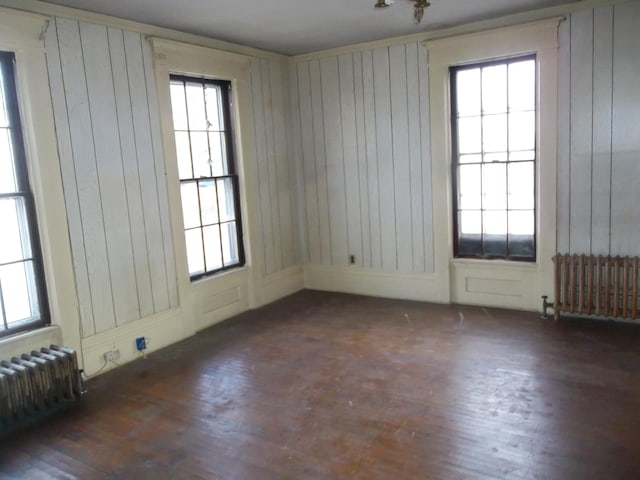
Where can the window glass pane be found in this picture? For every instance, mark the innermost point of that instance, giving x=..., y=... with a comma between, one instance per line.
x=494, y=89
x=200, y=154
x=218, y=154
x=178, y=106
x=494, y=133
x=494, y=186
x=522, y=88
x=15, y=280
x=470, y=222
x=183, y=153
x=522, y=131
x=190, y=205
x=469, y=187
x=212, y=247
x=521, y=222
x=214, y=104
x=523, y=155
x=14, y=240
x=521, y=185
x=208, y=202
x=7, y=174
x=495, y=157
x=468, y=92
x=195, y=107
x=225, y=197
x=494, y=237
x=469, y=135
x=195, y=254
x=470, y=158
x=229, y=242
x=4, y=115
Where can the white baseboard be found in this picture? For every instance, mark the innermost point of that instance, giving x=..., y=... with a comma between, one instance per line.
x=278, y=285
x=406, y=286
x=161, y=330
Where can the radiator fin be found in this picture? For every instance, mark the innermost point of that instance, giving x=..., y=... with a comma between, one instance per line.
x=36, y=384
x=600, y=285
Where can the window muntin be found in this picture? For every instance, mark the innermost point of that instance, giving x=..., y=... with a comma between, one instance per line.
x=23, y=303
x=493, y=107
x=208, y=178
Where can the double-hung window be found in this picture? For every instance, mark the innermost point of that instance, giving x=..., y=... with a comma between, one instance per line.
x=207, y=171
x=23, y=302
x=493, y=123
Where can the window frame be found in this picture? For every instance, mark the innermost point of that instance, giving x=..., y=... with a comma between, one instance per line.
x=24, y=191
x=226, y=89
x=453, y=69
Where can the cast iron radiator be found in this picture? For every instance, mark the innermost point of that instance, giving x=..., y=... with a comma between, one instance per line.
x=596, y=285
x=37, y=384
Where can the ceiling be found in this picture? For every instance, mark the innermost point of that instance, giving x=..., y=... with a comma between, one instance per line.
x=299, y=26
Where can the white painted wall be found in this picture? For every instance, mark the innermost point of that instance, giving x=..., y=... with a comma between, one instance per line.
x=599, y=132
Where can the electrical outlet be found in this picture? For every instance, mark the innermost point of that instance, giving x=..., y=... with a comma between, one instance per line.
x=352, y=259
x=141, y=344
x=112, y=355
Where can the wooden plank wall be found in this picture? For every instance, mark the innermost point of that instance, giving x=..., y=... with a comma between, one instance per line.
x=362, y=121
x=277, y=238
x=599, y=132
x=108, y=130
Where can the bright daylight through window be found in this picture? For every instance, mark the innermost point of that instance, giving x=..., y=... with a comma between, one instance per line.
x=207, y=171
x=494, y=155
x=22, y=291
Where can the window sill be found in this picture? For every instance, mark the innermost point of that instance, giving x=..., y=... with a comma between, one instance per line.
x=25, y=342
x=485, y=262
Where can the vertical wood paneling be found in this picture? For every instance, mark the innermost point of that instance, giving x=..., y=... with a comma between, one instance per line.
x=331, y=97
x=599, y=137
x=401, y=160
x=161, y=176
x=321, y=162
x=350, y=157
x=384, y=145
x=107, y=124
x=271, y=163
x=367, y=115
x=147, y=169
x=308, y=163
x=373, y=171
x=293, y=124
x=602, y=92
x=111, y=185
x=84, y=159
x=129, y=159
x=260, y=141
x=70, y=186
x=363, y=167
x=563, y=202
x=425, y=161
x=625, y=172
x=581, y=130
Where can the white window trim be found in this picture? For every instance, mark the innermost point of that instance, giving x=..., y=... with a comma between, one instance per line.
x=494, y=282
x=23, y=34
x=192, y=60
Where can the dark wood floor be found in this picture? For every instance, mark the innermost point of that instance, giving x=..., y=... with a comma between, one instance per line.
x=333, y=386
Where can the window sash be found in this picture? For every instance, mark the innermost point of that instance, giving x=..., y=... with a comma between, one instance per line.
x=484, y=244
x=216, y=231
x=24, y=289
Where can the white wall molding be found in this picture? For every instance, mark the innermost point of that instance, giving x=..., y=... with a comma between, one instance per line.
x=146, y=29
x=378, y=283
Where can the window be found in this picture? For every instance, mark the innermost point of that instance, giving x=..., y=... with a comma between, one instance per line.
x=208, y=178
x=22, y=291
x=493, y=122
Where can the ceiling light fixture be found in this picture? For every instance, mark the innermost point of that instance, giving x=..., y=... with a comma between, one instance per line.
x=418, y=7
